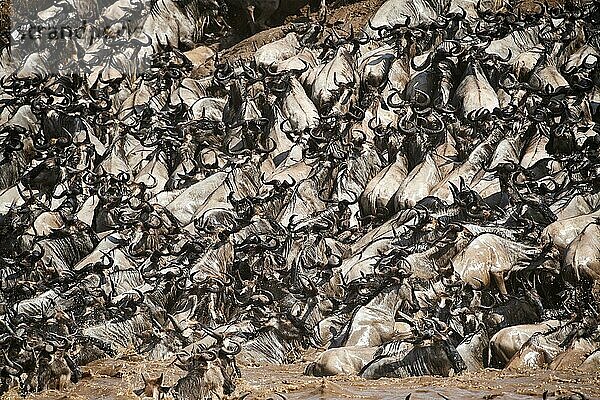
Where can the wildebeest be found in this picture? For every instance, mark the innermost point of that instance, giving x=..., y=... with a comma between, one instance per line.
x=392, y=195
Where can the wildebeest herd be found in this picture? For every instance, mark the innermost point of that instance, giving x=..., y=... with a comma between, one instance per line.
x=417, y=197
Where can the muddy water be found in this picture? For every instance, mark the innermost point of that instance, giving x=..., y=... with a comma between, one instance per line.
x=115, y=380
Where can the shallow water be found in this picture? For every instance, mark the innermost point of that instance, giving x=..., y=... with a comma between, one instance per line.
x=115, y=380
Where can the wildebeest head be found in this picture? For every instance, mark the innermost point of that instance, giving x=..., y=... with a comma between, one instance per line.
x=210, y=372
x=471, y=202
x=152, y=387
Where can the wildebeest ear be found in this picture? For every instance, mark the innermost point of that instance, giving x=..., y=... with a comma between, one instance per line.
x=164, y=389
x=160, y=379
x=454, y=191
x=138, y=392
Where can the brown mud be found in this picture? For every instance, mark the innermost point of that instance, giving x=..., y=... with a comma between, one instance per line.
x=116, y=379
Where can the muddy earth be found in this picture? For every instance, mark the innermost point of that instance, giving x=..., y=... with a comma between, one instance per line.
x=116, y=380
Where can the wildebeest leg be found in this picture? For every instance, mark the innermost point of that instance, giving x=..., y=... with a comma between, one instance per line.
x=214, y=315
x=63, y=381
x=323, y=11
x=251, y=18
x=499, y=279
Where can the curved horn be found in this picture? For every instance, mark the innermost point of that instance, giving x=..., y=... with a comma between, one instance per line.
x=390, y=100
x=426, y=64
